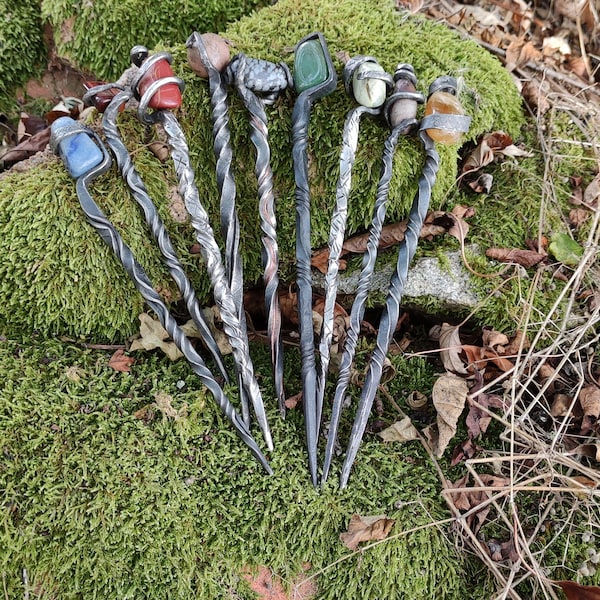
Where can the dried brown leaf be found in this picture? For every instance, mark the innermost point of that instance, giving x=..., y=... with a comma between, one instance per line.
x=119, y=361
x=576, y=591
x=494, y=339
x=451, y=347
x=562, y=405
x=591, y=194
x=400, y=431
x=525, y=258
x=364, y=529
x=536, y=95
x=449, y=395
x=153, y=335
x=589, y=398
x=578, y=216
x=292, y=401
x=164, y=403
x=519, y=53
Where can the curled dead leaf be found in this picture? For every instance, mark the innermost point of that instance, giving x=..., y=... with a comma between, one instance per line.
x=451, y=346
x=164, y=403
x=154, y=335
x=449, y=396
x=589, y=398
x=525, y=258
x=577, y=591
x=119, y=361
x=364, y=529
x=400, y=431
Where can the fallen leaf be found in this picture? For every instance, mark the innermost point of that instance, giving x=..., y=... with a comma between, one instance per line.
x=451, y=346
x=591, y=194
x=576, y=591
x=589, y=450
x=589, y=398
x=525, y=258
x=364, y=529
x=212, y=315
x=400, y=431
x=555, y=44
x=292, y=401
x=562, y=405
x=449, y=396
x=520, y=53
x=493, y=338
x=28, y=147
x=565, y=249
x=578, y=216
x=464, y=451
x=154, y=335
x=119, y=361
x=164, y=403
x=536, y=95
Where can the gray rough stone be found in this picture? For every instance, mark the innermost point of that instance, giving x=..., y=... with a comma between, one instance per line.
x=449, y=282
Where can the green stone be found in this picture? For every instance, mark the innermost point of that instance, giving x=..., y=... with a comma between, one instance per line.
x=310, y=66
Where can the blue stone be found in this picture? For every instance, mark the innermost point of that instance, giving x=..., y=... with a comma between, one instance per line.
x=78, y=151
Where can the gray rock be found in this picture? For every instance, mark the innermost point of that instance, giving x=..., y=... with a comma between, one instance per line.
x=428, y=277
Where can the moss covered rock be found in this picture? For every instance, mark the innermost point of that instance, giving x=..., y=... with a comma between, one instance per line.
x=104, y=497
x=70, y=283
x=22, y=46
x=82, y=30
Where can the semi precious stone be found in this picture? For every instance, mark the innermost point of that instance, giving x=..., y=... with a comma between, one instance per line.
x=444, y=103
x=79, y=151
x=310, y=66
x=369, y=91
x=168, y=96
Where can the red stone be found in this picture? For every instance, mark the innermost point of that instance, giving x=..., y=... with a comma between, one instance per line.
x=169, y=95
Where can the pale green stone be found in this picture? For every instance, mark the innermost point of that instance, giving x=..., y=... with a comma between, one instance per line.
x=369, y=92
x=310, y=66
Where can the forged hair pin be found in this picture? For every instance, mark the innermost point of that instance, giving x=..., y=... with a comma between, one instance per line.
x=314, y=77
x=146, y=91
x=86, y=159
x=366, y=83
x=402, y=119
x=445, y=120
x=154, y=222
x=251, y=77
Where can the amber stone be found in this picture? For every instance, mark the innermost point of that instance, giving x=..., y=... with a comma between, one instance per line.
x=443, y=103
x=168, y=96
x=310, y=66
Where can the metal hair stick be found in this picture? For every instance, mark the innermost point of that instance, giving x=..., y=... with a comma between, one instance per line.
x=146, y=91
x=230, y=225
x=314, y=77
x=366, y=82
x=86, y=159
x=153, y=220
x=447, y=126
x=401, y=111
x=251, y=77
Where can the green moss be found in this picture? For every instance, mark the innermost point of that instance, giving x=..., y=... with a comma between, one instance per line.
x=95, y=502
x=59, y=299
x=22, y=47
x=81, y=30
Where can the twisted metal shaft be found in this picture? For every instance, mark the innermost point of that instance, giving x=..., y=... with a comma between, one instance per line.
x=362, y=292
x=336, y=241
x=211, y=254
x=111, y=237
x=389, y=317
x=230, y=225
x=156, y=225
x=300, y=120
x=259, y=135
